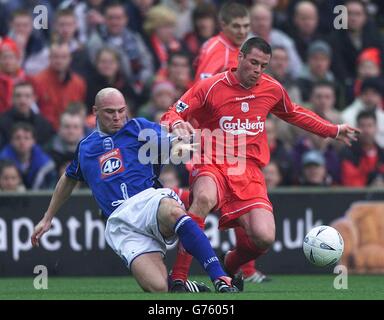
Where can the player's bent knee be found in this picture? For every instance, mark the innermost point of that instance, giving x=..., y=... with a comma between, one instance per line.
x=267, y=241
x=264, y=241
x=263, y=238
x=175, y=213
x=170, y=210
x=205, y=202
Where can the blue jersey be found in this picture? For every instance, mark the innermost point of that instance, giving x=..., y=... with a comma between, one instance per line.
x=121, y=165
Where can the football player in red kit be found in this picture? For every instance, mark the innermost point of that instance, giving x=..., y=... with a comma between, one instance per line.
x=220, y=52
x=237, y=103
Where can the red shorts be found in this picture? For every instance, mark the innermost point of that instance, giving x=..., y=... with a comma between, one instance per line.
x=236, y=194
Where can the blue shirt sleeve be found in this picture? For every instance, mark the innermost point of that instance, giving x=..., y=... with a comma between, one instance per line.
x=73, y=170
x=156, y=134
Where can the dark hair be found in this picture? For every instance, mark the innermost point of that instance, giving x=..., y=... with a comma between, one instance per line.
x=323, y=83
x=181, y=53
x=20, y=13
x=22, y=126
x=112, y=4
x=111, y=50
x=372, y=83
x=360, y=2
x=232, y=10
x=256, y=42
x=279, y=47
x=75, y=108
x=23, y=83
x=7, y=164
x=366, y=114
x=204, y=10
x=64, y=12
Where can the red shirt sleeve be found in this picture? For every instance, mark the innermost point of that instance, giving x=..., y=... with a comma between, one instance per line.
x=303, y=117
x=187, y=105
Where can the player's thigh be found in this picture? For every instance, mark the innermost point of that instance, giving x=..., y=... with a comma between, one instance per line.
x=150, y=272
x=259, y=224
x=168, y=213
x=205, y=195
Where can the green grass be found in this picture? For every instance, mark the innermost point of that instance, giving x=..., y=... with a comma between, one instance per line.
x=297, y=287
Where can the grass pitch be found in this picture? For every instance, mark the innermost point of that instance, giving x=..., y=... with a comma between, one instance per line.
x=282, y=287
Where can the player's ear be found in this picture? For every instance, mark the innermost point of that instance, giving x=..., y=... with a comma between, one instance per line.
x=128, y=111
x=94, y=109
x=222, y=24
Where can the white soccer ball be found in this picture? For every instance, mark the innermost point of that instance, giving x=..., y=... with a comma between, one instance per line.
x=323, y=246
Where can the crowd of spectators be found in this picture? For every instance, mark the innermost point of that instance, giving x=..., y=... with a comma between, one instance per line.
x=147, y=49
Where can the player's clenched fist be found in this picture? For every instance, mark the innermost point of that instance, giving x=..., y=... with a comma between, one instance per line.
x=183, y=129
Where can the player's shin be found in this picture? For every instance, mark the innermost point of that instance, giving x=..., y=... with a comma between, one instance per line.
x=182, y=264
x=197, y=244
x=248, y=268
x=244, y=252
x=183, y=261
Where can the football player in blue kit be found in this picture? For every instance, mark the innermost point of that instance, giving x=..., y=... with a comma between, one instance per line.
x=142, y=216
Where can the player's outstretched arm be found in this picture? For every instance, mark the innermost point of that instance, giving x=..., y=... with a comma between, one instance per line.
x=63, y=190
x=347, y=134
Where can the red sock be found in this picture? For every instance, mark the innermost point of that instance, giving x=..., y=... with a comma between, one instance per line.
x=248, y=268
x=183, y=261
x=245, y=251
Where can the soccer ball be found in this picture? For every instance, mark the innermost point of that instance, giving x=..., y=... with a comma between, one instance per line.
x=323, y=246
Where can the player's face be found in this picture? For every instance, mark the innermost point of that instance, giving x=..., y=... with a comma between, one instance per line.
x=251, y=66
x=111, y=114
x=237, y=30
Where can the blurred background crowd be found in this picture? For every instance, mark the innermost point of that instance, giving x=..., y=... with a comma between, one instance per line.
x=147, y=49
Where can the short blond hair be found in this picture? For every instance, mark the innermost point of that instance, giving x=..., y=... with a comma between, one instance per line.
x=159, y=16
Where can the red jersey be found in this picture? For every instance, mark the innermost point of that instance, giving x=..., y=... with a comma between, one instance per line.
x=217, y=54
x=222, y=103
x=359, y=166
